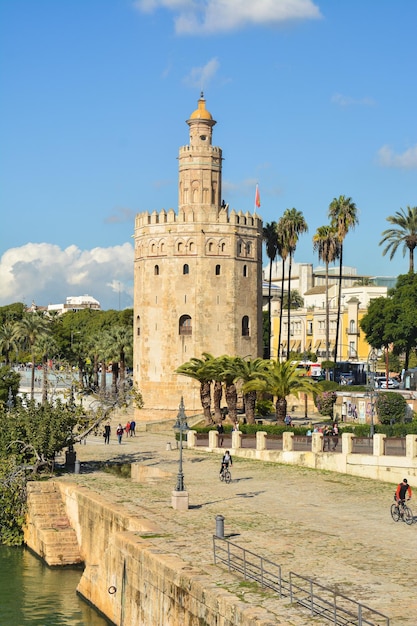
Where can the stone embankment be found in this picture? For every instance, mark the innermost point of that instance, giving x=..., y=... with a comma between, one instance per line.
x=148, y=564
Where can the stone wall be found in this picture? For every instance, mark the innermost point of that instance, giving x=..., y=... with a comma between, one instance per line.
x=131, y=581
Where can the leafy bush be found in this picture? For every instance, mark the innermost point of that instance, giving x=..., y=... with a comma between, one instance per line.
x=391, y=407
x=325, y=402
x=264, y=407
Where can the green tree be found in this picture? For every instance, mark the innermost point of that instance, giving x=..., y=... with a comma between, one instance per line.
x=45, y=347
x=391, y=407
x=9, y=382
x=283, y=251
x=28, y=331
x=270, y=237
x=343, y=216
x=281, y=380
x=228, y=372
x=294, y=225
x=120, y=342
x=326, y=243
x=293, y=300
x=201, y=370
x=248, y=370
x=8, y=341
x=403, y=234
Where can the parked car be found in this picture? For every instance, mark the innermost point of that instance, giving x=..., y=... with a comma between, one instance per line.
x=382, y=383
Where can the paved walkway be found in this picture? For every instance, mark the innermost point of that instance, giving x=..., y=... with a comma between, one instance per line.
x=334, y=528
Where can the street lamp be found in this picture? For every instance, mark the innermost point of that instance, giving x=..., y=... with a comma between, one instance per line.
x=180, y=427
x=372, y=360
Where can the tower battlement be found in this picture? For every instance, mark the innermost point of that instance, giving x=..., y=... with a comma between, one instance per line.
x=192, y=216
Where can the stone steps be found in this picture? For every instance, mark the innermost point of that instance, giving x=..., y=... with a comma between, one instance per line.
x=48, y=531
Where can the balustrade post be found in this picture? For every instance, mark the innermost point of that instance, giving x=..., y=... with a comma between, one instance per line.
x=261, y=440
x=191, y=439
x=411, y=446
x=379, y=448
x=287, y=442
x=213, y=439
x=236, y=439
x=347, y=443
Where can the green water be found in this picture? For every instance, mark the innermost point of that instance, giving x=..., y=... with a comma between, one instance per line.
x=32, y=594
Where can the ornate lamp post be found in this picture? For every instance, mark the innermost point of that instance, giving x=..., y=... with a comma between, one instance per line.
x=180, y=495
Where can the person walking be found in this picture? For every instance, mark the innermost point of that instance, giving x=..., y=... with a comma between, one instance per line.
x=220, y=430
x=133, y=428
x=119, y=433
x=127, y=429
x=107, y=431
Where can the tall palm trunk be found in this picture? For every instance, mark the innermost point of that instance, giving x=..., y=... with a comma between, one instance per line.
x=103, y=377
x=339, y=302
x=217, y=399
x=281, y=308
x=32, y=377
x=327, y=315
x=114, y=377
x=250, y=404
x=281, y=409
x=267, y=349
x=231, y=401
x=289, y=306
x=44, y=379
x=95, y=371
x=205, y=397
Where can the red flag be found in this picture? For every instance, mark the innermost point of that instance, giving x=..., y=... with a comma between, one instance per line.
x=257, y=198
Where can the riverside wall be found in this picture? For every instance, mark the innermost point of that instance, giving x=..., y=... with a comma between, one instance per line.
x=130, y=580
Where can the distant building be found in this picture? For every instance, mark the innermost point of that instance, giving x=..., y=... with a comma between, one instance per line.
x=75, y=303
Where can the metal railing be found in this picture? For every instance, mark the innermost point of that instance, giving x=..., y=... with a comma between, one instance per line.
x=330, y=605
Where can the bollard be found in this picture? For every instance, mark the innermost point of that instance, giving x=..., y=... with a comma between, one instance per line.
x=220, y=526
x=169, y=446
x=77, y=467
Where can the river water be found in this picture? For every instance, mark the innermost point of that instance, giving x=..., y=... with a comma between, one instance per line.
x=32, y=594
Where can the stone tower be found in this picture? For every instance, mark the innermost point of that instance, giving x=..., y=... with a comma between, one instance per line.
x=197, y=277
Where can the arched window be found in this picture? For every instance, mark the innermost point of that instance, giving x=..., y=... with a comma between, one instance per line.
x=191, y=246
x=245, y=270
x=223, y=247
x=153, y=248
x=180, y=247
x=210, y=246
x=239, y=248
x=156, y=270
x=138, y=325
x=352, y=326
x=162, y=248
x=185, y=268
x=245, y=326
x=248, y=249
x=217, y=270
x=185, y=327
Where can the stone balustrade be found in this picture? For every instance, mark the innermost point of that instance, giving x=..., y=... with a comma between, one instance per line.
x=377, y=465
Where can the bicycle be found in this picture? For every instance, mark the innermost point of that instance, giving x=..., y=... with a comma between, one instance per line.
x=403, y=512
x=225, y=475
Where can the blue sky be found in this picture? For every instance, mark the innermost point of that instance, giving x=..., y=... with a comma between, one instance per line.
x=313, y=99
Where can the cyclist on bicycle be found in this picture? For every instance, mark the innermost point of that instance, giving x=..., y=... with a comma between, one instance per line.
x=226, y=461
x=403, y=490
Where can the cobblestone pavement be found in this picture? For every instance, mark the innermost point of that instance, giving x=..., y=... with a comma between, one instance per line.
x=334, y=528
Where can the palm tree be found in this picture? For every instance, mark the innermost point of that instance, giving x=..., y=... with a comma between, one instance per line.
x=27, y=331
x=405, y=234
x=283, y=252
x=270, y=237
x=202, y=371
x=120, y=342
x=248, y=370
x=281, y=380
x=294, y=226
x=8, y=342
x=343, y=216
x=326, y=243
x=228, y=372
x=45, y=346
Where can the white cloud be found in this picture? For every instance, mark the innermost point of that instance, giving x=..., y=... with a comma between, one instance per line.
x=194, y=17
x=45, y=273
x=200, y=76
x=406, y=160
x=346, y=101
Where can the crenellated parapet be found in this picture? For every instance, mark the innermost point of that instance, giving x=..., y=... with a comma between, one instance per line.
x=191, y=215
